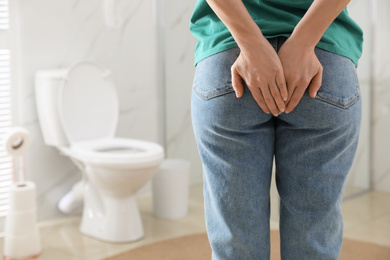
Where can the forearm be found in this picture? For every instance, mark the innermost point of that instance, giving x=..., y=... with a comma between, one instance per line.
x=317, y=19
x=237, y=19
x=258, y=64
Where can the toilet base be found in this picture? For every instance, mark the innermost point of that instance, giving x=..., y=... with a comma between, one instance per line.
x=109, y=219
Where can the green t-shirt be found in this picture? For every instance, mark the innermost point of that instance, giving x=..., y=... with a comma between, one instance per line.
x=275, y=18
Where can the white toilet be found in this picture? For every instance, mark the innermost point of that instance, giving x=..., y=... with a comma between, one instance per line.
x=78, y=111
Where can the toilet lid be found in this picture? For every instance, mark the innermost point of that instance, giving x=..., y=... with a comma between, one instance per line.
x=88, y=104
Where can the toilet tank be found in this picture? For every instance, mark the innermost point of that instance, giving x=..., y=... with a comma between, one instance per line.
x=47, y=86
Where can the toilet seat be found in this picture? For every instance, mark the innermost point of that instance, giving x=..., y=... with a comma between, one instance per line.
x=117, y=151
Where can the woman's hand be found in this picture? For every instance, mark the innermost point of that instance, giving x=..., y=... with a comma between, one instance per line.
x=300, y=64
x=259, y=66
x=302, y=69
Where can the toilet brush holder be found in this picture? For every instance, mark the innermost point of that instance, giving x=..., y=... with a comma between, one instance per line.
x=21, y=235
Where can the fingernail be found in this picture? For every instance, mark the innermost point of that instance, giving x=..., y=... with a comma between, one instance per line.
x=315, y=94
x=287, y=112
x=282, y=110
x=285, y=98
x=275, y=115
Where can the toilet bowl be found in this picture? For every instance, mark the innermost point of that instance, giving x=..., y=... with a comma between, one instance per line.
x=78, y=113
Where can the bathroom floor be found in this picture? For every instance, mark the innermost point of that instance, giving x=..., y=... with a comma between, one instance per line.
x=366, y=217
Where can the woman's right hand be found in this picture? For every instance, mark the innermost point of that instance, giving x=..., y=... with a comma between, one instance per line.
x=260, y=67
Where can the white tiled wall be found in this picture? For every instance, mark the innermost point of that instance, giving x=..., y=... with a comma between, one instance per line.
x=179, y=68
x=381, y=99
x=359, y=175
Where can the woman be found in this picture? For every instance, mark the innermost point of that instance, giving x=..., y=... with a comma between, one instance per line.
x=275, y=79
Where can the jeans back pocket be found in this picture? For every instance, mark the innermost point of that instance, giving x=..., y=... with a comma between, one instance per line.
x=342, y=100
x=213, y=75
x=340, y=85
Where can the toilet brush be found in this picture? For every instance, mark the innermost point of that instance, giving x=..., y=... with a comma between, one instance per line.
x=21, y=235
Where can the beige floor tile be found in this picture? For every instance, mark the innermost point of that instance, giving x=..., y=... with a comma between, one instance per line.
x=377, y=231
x=365, y=208
x=385, y=221
x=274, y=224
x=351, y=190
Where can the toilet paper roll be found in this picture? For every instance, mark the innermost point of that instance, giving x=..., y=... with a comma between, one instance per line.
x=21, y=223
x=17, y=141
x=21, y=235
x=22, y=197
x=22, y=247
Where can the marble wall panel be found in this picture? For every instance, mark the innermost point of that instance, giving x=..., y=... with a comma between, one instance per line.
x=179, y=71
x=381, y=99
x=359, y=176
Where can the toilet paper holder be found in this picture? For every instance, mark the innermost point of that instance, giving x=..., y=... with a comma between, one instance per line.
x=20, y=243
x=16, y=142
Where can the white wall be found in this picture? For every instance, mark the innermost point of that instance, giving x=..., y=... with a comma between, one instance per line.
x=179, y=72
x=359, y=176
x=381, y=99
x=374, y=76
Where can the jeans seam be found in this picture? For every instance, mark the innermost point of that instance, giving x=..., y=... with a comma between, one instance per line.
x=338, y=104
x=216, y=94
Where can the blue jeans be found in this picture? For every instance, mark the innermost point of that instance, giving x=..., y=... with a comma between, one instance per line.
x=314, y=147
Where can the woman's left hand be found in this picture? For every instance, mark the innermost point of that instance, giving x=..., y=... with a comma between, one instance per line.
x=302, y=69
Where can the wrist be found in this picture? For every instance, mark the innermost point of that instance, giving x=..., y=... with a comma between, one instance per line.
x=253, y=44
x=304, y=39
